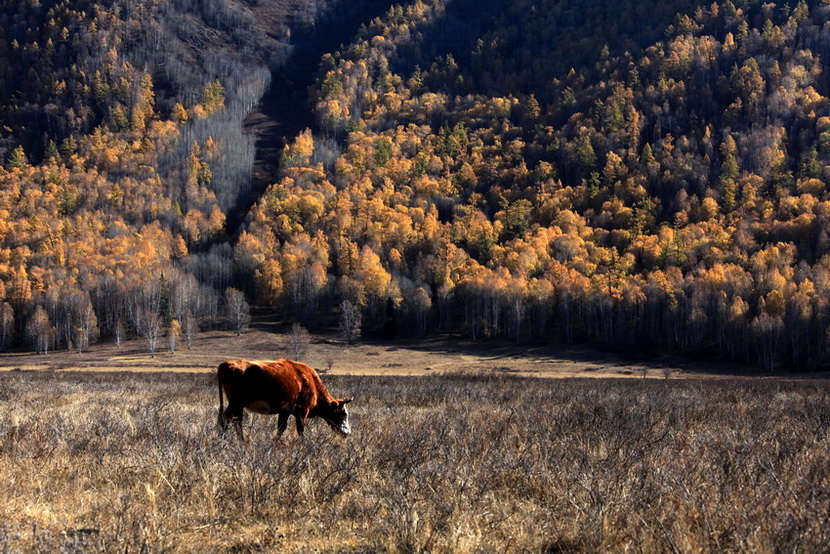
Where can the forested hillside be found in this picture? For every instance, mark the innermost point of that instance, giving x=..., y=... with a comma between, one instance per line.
x=124, y=152
x=637, y=175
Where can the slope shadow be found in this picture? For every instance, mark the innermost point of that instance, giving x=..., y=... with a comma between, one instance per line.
x=285, y=111
x=655, y=365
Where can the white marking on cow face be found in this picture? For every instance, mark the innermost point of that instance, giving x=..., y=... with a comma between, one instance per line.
x=345, y=428
x=338, y=418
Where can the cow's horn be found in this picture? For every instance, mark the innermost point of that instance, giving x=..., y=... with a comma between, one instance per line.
x=348, y=400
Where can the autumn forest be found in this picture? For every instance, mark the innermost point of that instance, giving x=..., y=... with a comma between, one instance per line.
x=642, y=177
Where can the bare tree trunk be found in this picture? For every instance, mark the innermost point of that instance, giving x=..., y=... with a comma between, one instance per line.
x=119, y=332
x=152, y=331
x=190, y=327
x=239, y=313
x=298, y=341
x=6, y=324
x=350, y=321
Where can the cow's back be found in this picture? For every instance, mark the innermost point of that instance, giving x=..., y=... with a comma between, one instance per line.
x=282, y=383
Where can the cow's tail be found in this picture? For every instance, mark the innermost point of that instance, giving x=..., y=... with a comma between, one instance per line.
x=221, y=394
x=221, y=419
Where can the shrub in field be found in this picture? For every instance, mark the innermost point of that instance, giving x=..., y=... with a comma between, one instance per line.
x=298, y=342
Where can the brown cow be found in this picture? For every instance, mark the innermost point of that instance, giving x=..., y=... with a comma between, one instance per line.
x=282, y=387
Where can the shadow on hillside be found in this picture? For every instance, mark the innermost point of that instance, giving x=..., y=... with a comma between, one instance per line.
x=654, y=365
x=285, y=109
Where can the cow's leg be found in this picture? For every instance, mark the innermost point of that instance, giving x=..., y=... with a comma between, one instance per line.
x=225, y=419
x=222, y=421
x=233, y=414
x=282, y=423
x=238, y=423
x=299, y=419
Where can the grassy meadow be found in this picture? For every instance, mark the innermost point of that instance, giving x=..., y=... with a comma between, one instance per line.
x=123, y=461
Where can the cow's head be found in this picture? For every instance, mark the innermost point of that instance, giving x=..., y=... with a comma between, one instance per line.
x=337, y=416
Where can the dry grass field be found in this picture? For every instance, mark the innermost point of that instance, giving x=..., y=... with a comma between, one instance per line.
x=458, y=447
x=100, y=461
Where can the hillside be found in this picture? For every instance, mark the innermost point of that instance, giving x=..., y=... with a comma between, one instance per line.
x=639, y=176
x=645, y=191
x=128, y=164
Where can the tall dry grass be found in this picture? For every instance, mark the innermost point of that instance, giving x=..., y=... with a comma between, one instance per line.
x=133, y=462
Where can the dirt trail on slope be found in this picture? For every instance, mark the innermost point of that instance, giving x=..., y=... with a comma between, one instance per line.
x=281, y=115
x=284, y=110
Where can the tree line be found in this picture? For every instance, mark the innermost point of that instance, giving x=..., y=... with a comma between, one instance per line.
x=633, y=173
